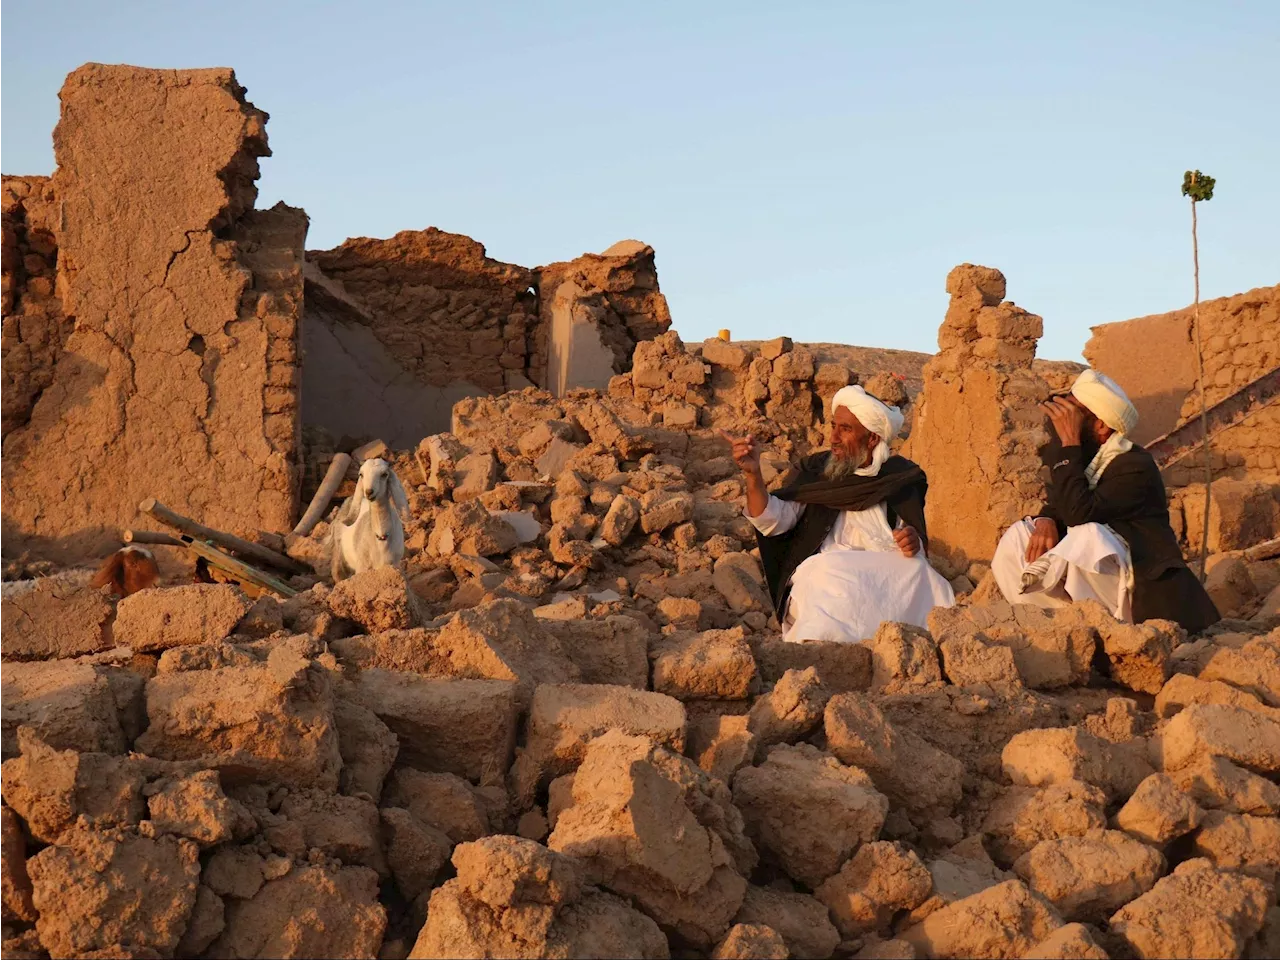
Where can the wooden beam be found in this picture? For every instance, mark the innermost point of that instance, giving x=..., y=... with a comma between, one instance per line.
x=151, y=536
x=1223, y=415
x=333, y=478
x=227, y=541
x=237, y=569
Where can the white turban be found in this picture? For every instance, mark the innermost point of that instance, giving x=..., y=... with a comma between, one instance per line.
x=879, y=418
x=1103, y=398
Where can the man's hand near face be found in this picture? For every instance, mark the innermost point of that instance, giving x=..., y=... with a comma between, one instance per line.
x=747, y=456
x=1067, y=418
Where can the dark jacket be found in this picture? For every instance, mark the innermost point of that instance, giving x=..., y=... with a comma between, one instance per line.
x=782, y=553
x=1130, y=499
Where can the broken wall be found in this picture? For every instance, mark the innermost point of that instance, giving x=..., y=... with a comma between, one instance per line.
x=1154, y=359
x=594, y=310
x=179, y=380
x=35, y=329
x=978, y=428
x=399, y=330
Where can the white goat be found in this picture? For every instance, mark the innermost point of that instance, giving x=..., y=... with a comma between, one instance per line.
x=367, y=532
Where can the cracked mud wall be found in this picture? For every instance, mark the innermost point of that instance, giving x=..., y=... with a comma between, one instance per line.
x=978, y=429
x=179, y=380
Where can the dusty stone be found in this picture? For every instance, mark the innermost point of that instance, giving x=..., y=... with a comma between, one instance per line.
x=1158, y=812
x=842, y=667
x=415, y=852
x=1024, y=816
x=966, y=660
x=71, y=706
x=737, y=578
x=807, y=810
x=440, y=800
x=903, y=655
x=15, y=884
x=610, y=651
x=377, y=600
x=1255, y=668
x=516, y=898
x=660, y=509
x=468, y=528
x=342, y=828
x=801, y=920
x=368, y=749
x=1241, y=736
x=164, y=617
x=1002, y=921
x=563, y=720
x=874, y=884
x=473, y=475
x=715, y=665
x=1217, y=783
x=1197, y=911
x=239, y=717
x=773, y=349
x=52, y=789
x=621, y=519
x=1072, y=942
x=466, y=727
x=234, y=872
x=721, y=744
x=1182, y=690
x=208, y=919
x=791, y=710
x=680, y=859
x=344, y=918
x=904, y=767
x=746, y=940
x=96, y=890
x=1089, y=877
x=1042, y=757
x=960, y=873
x=1238, y=841
x=58, y=617
x=196, y=807
x=1140, y=653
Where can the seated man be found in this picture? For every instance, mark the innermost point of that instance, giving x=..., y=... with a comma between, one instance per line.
x=843, y=545
x=1104, y=533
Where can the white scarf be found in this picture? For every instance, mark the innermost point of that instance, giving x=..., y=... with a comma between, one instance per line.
x=1115, y=445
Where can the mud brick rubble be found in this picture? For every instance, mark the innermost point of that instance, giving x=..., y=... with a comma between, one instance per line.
x=567, y=725
x=569, y=728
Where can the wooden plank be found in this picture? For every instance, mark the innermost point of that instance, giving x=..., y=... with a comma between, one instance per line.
x=1223, y=415
x=239, y=570
x=226, y=541
x=151, y=536
x=333, y=478
x=1264, y=551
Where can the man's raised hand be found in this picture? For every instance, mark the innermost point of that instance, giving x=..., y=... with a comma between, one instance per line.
x=745, y=453
x=1067, y=420
x=908, y=541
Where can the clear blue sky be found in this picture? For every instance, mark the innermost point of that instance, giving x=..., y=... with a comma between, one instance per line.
x=810, y=169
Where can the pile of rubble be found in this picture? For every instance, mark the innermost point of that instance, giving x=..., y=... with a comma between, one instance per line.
x=569, y=727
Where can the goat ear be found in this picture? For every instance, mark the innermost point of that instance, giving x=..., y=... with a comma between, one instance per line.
x=398, y=496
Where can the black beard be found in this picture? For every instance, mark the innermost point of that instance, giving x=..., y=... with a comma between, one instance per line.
x=1089, y=447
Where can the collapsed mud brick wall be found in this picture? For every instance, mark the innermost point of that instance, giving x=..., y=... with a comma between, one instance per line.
x=1154, y=358
x=179, y=377
x=398, y=330
x=978, y=429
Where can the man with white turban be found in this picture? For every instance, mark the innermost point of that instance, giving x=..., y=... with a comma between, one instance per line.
x=843, y=545
x=1104, y=533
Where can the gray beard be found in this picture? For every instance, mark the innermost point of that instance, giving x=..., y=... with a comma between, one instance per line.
x=840, y=468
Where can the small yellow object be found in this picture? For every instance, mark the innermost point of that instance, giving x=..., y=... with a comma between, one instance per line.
x=724, y=335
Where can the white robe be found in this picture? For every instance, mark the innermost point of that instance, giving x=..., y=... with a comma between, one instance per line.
x=857, y=580
x=1090, y=563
